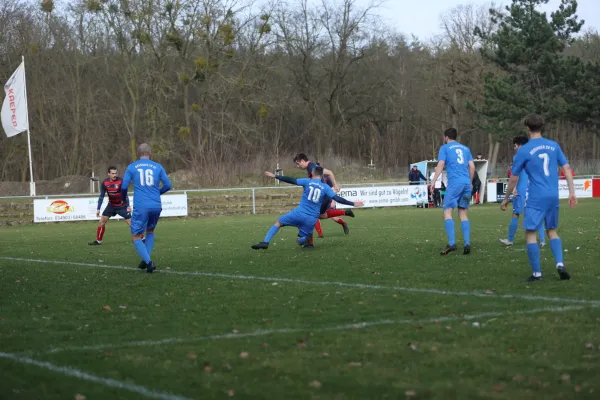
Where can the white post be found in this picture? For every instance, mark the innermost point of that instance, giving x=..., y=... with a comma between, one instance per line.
x=31, y=181
x=253, y=201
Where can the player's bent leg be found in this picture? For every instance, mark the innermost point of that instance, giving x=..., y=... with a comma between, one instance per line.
x=465, y=226
x=100, y=231
x=283, y=221
x=449, y=227
x=557, y=251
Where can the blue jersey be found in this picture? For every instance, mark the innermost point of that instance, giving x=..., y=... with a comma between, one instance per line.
x=314, y=192
x=146, y=176
x=540, y=159
x=457, y=157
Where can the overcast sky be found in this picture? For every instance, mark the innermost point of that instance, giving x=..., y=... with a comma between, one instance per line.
x=422, y=17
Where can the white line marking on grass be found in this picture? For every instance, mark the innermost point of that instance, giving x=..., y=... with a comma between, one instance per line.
x=322, y=283
x=357, y=325
x=141, y=390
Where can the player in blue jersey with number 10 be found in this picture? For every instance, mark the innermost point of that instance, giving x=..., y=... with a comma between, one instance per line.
x=306, y=215
x=460, y=169
x=540, y=158
x=146, y=176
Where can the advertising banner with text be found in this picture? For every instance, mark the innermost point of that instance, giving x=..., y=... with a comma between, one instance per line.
x=84, y=208
x=583, y=189
x=385, y=196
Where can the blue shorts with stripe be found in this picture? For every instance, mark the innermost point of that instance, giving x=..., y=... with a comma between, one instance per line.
x=305, y=223
x=144, y=219
x=457, y=196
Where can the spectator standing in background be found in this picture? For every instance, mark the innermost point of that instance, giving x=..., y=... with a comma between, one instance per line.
x=415, y=176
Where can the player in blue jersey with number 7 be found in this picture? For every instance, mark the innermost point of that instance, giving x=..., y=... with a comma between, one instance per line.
x=540, y=158
x=306, y=215
x=460, y=169
x=146, y=176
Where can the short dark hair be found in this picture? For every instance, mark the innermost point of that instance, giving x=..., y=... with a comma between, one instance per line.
x=520, y=140
x=300, y=157
x=534, y=122
x=451, y=133
x=317, y=171
x=111, y=168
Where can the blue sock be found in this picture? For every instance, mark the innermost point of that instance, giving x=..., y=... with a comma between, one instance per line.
x=556, y=246
x=542, y=232
x=533, y=253
x=449, y=225
x=149, y=242
x=140, y=247
x=465, y=226
x=272, y=232
x=512, y=229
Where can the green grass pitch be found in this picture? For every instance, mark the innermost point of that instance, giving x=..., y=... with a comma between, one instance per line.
x=377, y=314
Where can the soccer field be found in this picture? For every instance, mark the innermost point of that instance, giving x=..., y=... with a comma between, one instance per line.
x=372, y=315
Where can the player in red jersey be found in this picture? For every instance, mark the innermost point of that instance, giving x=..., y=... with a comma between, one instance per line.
x=303, y=162
x=116, y=204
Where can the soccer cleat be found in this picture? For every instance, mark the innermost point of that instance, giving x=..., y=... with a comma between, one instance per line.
x=532, y=279
x=562, y=272
x=94, y=243
x=308, y=246
x=542, y=244
x=349, y=213
x=320, y=236
x=261, y=245
x=346, y=229
x=506, y=242
x=467, y=249
x=448, y=249
x=150, y=267
x=142, y=265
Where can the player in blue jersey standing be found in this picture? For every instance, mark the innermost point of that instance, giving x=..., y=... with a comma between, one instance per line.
x=306, y=215
x=519, y=200
x=460, y=169
x=540, y=158
x=146, y=176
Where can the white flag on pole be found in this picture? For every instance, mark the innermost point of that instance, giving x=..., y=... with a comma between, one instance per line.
x=14, y=108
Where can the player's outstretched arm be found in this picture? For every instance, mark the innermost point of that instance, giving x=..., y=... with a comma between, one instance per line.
x=286, y=179
x=166, y=183
x=342, y=200
x=471, y=169
x=512, y=184
x=331, y=176
x=100, y=198
x=438, y=171
x=125, y=184
x=569, y=177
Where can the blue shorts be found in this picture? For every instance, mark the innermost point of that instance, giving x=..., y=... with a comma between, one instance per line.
x=144, y=219
x=326, y=205
x=518, y=205
x=304, y=223
x=534, y=219
x=457, y=196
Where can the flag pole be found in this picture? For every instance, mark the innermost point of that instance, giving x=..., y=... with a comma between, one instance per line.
x=31, y=181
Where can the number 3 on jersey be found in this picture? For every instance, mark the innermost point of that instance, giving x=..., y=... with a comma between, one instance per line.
x=314, y=195
x=146, y=177
x=459, y=156
x=546, y=158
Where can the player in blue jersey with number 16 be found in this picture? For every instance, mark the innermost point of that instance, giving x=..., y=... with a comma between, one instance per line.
x=146, y=176
x=540, y=158
x=460, y=169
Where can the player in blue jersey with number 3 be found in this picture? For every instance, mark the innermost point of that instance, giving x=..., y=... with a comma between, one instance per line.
x=540, y=158
x=460, y=169
x=306, y=215
x=146, y=176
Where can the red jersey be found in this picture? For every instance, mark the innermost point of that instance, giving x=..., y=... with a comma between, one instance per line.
x=115, y=196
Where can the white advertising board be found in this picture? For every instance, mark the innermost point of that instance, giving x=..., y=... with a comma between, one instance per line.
x=583, y=189
x=84, y=208
x=385, y=196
